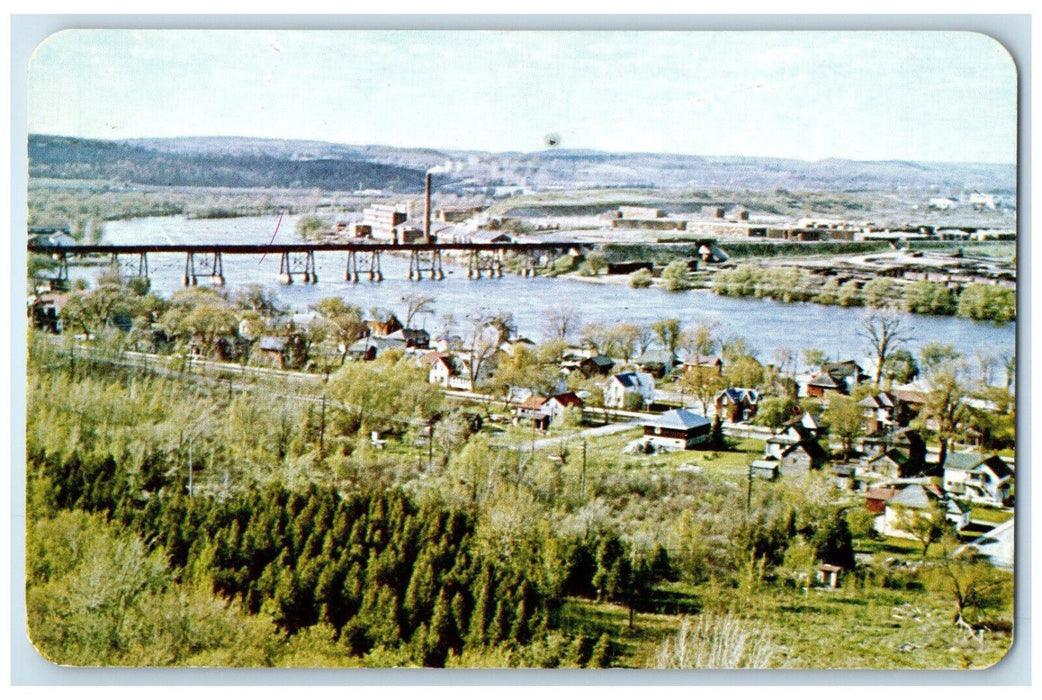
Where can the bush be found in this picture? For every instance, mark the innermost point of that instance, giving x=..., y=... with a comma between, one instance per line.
x=632, y=401
x=640, y=279
x=677, y=276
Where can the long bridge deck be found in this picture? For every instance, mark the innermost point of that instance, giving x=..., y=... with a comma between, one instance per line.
x=204, y=260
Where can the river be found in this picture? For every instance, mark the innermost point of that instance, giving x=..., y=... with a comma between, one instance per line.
x=766, y=325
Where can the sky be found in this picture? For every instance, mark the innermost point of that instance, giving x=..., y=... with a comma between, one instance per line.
x=896, y=95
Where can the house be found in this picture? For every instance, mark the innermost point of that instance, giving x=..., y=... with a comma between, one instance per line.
x=979, y=479
x=845, y=476
x=841, y=377
x=876, y=498
x=678, y=429
x=802, y=457
x=272, y=350
x=712, y=363
x=737, y=404
x=370, y=348
x=384, y=326
x=626, y=383
x=411, y=337
x=534, y=409
x=919, y=498
x=894, y=463
x=878, y=412
x=657, y=363
x=45, y=311
x=558, y=403
x=596, y=365
x=908, y=441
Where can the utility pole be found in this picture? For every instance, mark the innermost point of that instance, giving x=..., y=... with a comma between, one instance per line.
x=190, y=465
x=749, y=490
x=322, y=429
x=582, y=479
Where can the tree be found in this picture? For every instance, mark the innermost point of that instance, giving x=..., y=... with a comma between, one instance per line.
x=677, y=276
x=944, y=404
x=843, y=417
x=774, y=412
x=925, y=525
x=310, y=227
x=703, y=383
x=901, y=367
x=598, y=338
x=644, y=338
x=596, y=262
x=700, y=341
x=884, y=331
x=833, y=543
x=878, y=292
x=814, y=358
x=416, y=304
x=849, y=294
x=668, y=331
x=974, y=586
x=344, y=322
x=560, y=322
x=624, y=339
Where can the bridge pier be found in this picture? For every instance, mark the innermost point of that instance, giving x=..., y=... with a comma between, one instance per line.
x=491, y=261
x=359, y=260
x=421, y=261
x=302, y=263
x=211, y=266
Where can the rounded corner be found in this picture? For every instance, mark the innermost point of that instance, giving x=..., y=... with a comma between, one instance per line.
x=47, y=40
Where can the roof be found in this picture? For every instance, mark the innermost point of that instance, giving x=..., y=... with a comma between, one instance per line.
x=739, y=395
x=915, y=496
x=534, y=402
x=881, y=493
x=842, y=370
x=568, y=398
x=697, y=360
x=899, y=457
x=678, y=419
x=628, y=379
x=650, y=357
x=270, y=342
x=600, y=361
x=972, y=461
x=880, y=400
x=811, y=447
x=824, y=380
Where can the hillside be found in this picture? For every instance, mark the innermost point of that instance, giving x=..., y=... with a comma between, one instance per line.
x=251, y=162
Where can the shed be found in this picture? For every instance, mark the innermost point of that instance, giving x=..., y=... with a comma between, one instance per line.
x=678, y=429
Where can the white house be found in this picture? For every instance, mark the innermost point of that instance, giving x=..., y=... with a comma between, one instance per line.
x=942, y=203
x=981, y=480
x=628, y=382
x=918, y=498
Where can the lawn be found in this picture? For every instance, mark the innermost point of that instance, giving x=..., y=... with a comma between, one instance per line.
x=847, y=628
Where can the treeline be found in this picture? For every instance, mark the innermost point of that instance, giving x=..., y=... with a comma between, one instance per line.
x=982, y=302
x=87, y=159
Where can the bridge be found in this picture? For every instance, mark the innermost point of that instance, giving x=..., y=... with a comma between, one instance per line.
x=206, y=260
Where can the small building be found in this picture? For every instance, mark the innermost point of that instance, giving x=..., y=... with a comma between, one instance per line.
x=841, y=377
x=629, y=382
x=828, y=575
x=272, y=350
x=657, y=363
x=678, y=429
x=986, y=480
x=802, y=458
x=370, y=348
x=597, y=365
x=558, y=403
x=919, y=498
x=877, y=497
x=712, y=363
x=767, y=468
x=534, y=409
x=737, y=404
x=411, y=337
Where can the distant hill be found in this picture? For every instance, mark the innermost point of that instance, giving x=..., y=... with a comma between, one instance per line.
x=252, y=162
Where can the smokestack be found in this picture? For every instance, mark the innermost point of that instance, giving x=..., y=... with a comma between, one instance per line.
x=427, y=211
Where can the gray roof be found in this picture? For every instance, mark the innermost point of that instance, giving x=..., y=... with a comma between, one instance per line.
x=678, y=419
x=270, y=342
x=627, y=379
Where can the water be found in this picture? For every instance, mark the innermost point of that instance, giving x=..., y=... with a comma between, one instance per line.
x=766, y=325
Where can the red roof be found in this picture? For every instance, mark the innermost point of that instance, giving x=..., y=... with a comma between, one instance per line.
x=568, y=398
x=534, y=402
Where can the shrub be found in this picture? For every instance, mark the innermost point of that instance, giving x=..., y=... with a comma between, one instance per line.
x=640, y=279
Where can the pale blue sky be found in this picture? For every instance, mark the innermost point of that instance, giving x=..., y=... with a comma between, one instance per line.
x=929, y=96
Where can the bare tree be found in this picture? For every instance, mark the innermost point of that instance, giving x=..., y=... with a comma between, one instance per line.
x=668, y=331
x=598, y=338
x=560, y=322
x=645, y=337
x=885, y=332
x=416, y=304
